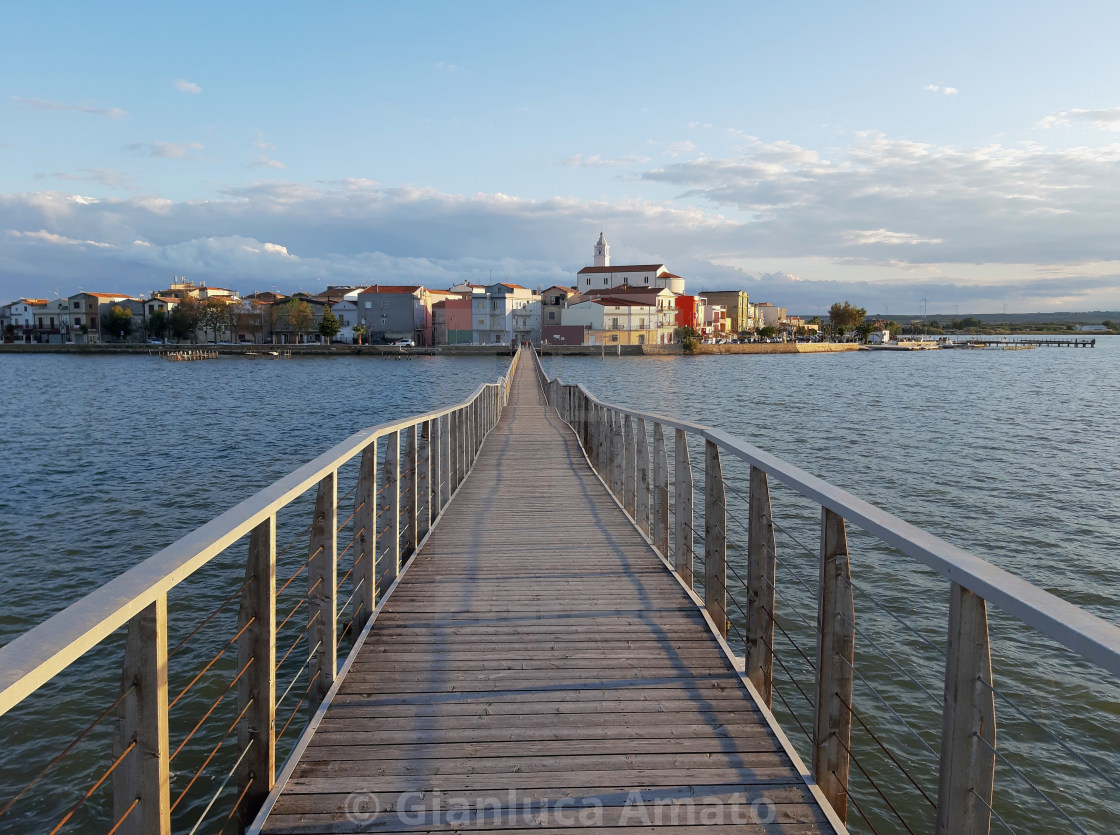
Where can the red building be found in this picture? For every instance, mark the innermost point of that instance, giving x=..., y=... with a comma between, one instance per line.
x=690, y=312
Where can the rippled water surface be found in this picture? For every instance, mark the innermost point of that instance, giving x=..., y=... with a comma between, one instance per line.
x=1013, y=455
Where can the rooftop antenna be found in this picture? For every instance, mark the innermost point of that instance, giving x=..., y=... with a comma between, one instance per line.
x=924, y=302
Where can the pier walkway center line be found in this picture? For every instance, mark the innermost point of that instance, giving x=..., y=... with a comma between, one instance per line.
x=538, y=667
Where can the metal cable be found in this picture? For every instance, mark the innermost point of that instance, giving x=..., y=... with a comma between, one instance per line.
x=210, y=756
x=299, y=603
x=883, y=653
x=61, y=755
x=211, y=616
x=902, y=622
x=124, y=817
x=887, y=705
x=993, y=811
x=213, y=661
x=221, y=788
x=206, y=715
x=1061, y=742
x=94, y=787
x=1026, y=780
x=862, y=813
x=901, y=768
x=878, y=791
x=295, y=643
x=240, y=799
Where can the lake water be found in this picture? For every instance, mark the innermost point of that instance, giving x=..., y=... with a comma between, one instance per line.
x=1011, y=454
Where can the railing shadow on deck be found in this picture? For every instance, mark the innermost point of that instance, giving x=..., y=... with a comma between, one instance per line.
x=227, y=658
x=715, y=523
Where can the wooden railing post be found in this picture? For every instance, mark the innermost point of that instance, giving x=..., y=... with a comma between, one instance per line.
x=410, y=489
x=715, y=539
x=832, y=727
x=660, y=525
x=144, y=773
x=452, y=452
x=602, y=438
x=389, y=561
x=682, y=509
x=256, y=661
x=617, y=455
x=424, y=480
x=365, y=523
x=762, y=564
x=435, y=472
x=968, y=723
x=322, y=570
x=641, y=450
x=629, y=468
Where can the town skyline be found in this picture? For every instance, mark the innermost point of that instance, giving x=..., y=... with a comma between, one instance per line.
x=958, y=161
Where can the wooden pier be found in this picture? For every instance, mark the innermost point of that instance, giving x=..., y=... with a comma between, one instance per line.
x=538, y=667
x=1023, y=341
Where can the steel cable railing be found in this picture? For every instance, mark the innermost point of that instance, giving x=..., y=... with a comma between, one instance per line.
x=878, y=632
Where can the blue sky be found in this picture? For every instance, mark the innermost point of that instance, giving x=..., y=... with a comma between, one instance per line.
x=966, y=153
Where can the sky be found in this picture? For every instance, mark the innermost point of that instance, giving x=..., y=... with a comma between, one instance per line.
x=947, y=158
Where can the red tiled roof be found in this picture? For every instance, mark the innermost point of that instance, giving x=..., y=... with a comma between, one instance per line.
x=513, y=286
x=392, y=288
x=631, y=268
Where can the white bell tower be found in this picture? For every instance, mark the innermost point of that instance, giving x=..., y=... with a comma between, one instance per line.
x=602, y=252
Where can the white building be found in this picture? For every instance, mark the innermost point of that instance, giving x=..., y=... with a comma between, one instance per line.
x=492, y=312
x=603, y=275
x=527, y=323
x=621, y=321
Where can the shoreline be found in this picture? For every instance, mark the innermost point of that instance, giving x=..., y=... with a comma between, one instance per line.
x=315, y=350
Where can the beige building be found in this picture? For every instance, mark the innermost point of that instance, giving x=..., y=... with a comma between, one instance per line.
x=737, y=304
x=614, y=321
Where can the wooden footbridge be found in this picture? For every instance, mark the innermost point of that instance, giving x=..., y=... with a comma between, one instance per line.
x=535, y=637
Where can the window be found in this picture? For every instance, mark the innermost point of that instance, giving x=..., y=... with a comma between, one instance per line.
x=642, y=323
x=482, y=322
x=369, y=304
x=614, y=337
x=552, y=315
x=614, y=323
x=604, y=281
x=385, y=304
x=647, y=279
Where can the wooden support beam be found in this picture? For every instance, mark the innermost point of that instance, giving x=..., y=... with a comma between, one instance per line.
x=660, y=525
x=322, y=570
x=365, y=526
x=644, y=487
x=144, y=773
x=435, y=471
x=617, y=455
x=832, y=727
x=715, y=539
x=968, y=722
x=389, y=559
x=424, y=479
x=682, y=509
x=410, y=490
x=762, y=565
x=629, y=467
x=256, y=658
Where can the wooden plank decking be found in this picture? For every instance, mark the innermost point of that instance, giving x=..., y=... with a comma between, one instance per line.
x=538, y=668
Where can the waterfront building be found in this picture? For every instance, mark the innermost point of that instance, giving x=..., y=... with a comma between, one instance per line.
x=456, y=326
x=737, y=304
x=87, y=311
x=610, y=320
x=19, y=316
x=492, y=312
x=768, y=315
x=554, y=301
x=663, y=300
x=527, y=324
x=395, y=311
x=604, y=276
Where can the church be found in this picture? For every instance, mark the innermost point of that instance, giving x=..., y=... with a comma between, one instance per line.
x=603, y=275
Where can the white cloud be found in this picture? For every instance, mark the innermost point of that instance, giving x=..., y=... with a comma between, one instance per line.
x=945, y=91
x=103, y=176
x=678, y=149
x=184, y=86
x=54, y=239
x=597, y=161
x=164, y=150
x=263, y=161
x=445, y=67
x=1108, y=118
x=883, y=236
x=44, y=104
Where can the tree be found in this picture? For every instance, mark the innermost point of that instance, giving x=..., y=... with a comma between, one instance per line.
x=300, y=317
x=359, y=331
x=157, y=324
x=844, y=317
x=330, y=326
x=185, y=318
x=688, y=337
x=214, y=315
x=117, y=321
x=768, y=332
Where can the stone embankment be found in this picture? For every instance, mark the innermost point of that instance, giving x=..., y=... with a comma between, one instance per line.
x=442, y=350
